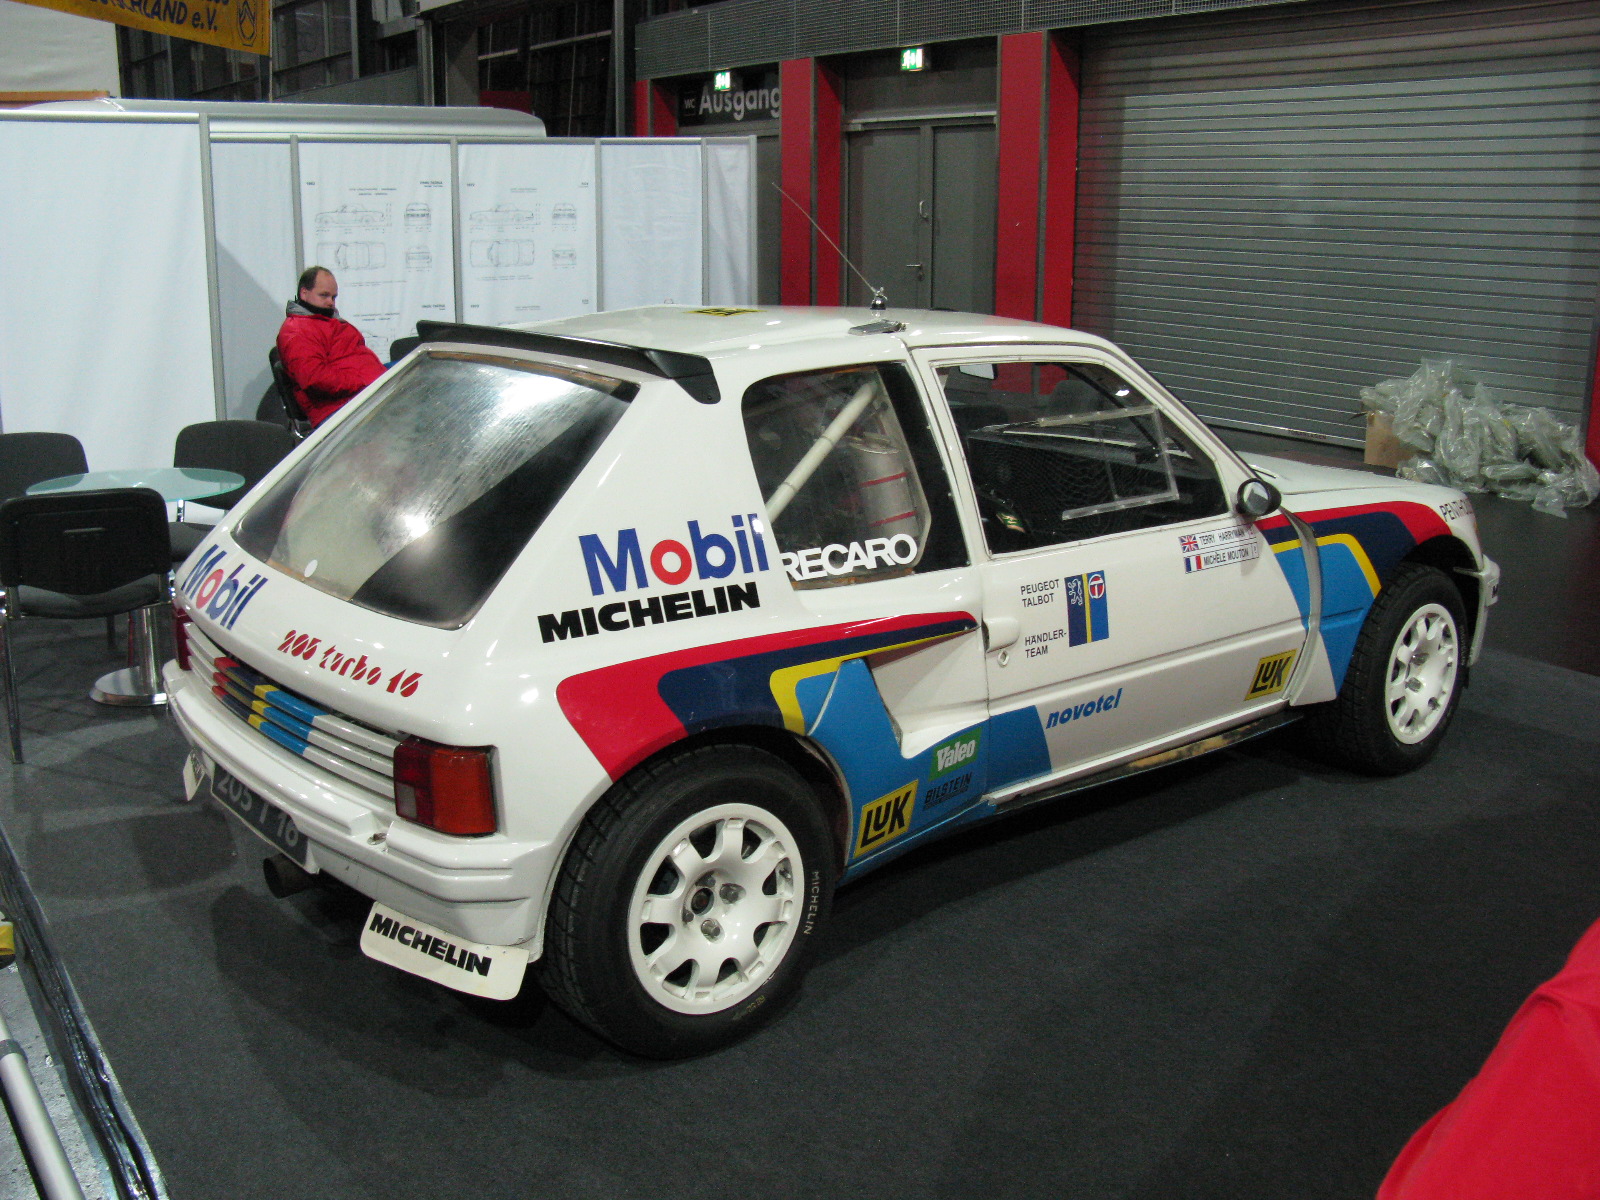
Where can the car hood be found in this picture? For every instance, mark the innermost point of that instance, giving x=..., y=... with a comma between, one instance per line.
x=1297, y=478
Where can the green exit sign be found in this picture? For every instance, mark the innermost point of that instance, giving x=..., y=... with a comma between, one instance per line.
x=722, y=81
x=913, y=58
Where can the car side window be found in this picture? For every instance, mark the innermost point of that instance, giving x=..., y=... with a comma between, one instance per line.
x=853, y=484
x=1063, y=451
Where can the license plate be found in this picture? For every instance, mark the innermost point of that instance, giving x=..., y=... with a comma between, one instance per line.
x=266, y=820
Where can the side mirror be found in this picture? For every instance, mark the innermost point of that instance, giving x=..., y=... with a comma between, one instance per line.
x=1257, y=498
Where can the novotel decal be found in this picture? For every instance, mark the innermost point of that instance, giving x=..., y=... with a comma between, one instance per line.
x=218, y=592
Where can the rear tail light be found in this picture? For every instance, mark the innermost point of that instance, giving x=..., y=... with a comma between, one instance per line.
x=180, y=635
x=448, y=788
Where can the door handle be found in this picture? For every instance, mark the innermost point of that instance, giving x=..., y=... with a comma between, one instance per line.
x=1000, y=632
x=917, y=267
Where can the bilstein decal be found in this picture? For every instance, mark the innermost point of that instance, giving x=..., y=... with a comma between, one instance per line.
x=219, y=593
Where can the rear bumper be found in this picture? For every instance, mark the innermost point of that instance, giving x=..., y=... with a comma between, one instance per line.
x=486, y=890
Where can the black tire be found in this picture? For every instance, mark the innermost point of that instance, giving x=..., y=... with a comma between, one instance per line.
x=1367, y=728
x=664, y=989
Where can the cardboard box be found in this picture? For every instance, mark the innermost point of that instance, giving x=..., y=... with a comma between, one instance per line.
x=1383, y=448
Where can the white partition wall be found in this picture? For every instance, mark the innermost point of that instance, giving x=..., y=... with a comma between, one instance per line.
x=105, y=328
x=651, y=198
x=528, y=245
x=253, y=202
x=145, y=258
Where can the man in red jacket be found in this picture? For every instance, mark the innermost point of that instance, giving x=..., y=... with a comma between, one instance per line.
x=325, y=356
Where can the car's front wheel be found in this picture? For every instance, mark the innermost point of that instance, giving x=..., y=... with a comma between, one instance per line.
x=688, y=903
x=1404, y=679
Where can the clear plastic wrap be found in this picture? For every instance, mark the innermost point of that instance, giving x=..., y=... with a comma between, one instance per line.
x=1470, y=440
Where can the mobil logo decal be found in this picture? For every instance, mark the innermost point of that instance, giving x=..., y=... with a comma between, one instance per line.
x=217, y=591
x=618, y=564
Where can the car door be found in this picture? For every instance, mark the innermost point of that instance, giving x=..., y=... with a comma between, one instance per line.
x=1127, y=608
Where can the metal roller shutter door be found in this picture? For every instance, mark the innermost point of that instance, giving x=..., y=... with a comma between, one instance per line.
x=1280, y=206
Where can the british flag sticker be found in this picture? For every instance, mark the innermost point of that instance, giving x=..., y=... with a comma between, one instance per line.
x=1218, y=547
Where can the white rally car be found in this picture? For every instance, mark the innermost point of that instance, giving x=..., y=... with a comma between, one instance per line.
x=613, y=645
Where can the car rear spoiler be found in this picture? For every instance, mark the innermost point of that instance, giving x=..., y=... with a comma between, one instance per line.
x=692, y=372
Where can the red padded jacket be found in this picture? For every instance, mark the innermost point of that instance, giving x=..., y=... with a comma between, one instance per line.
x=327, y=359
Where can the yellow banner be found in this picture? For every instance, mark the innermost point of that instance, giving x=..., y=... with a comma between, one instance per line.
x=234, y=24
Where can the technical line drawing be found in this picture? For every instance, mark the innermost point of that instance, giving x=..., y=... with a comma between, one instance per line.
x=352, y=256
x=564, y=257
x=564, y=214
x=419, y=217
x=419, y=257
x=345, y=217
x=504, y=252
x=503, y=216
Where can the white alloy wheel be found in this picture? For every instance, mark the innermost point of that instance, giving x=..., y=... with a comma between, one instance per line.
x=1421, y=678
x=714, y=908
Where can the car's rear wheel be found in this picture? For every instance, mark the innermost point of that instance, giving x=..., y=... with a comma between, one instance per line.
x=1404, y=679
x=688, y=903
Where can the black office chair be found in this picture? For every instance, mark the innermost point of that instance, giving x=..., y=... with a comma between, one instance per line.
x=252, y=448
x=299, y=423
x=77, y=555
x=28, y=458
x=401, y=347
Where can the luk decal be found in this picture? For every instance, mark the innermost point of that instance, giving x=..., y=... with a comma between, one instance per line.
x=1272, y=674
x=1087, y=620
x=956, y=753
x=220, y=593
x=648, y=610
x=819, y=562
x=886, y=818
x=1089, y=708
x=708, y=556
x=1219, y=547
x=357, y=670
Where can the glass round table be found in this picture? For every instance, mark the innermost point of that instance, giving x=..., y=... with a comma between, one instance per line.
x=174, y=483
x=139, y=685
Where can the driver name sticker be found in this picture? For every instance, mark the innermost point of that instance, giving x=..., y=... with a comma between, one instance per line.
x=1218, y=547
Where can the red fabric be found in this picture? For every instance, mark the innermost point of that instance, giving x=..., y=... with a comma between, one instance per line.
x=328, y=360
x=1528, y=1126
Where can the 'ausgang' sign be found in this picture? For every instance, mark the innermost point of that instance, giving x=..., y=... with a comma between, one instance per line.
x=235, y=24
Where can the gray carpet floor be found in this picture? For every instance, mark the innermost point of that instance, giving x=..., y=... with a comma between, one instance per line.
x=1249, y=976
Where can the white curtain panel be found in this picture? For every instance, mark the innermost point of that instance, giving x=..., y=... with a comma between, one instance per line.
x=650, y=214
x=105, y=327
x=730, y=225
x=378, y=216
x=527, y=243
x=253, y=195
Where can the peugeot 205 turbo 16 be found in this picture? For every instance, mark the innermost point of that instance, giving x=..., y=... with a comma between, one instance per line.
x=609, y=647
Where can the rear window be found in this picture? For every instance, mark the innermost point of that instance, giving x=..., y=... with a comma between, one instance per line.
x=416, y=506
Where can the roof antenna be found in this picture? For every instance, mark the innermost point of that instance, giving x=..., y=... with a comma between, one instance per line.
x=879, y=300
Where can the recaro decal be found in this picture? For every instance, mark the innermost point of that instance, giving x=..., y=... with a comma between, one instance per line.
x=218, y=592
x=820, y=562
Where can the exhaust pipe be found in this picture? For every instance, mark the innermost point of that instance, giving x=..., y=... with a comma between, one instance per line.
x=285, y=877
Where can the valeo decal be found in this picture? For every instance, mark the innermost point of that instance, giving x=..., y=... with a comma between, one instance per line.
x=886, y=818
x=1272, y=674
x=958, y=752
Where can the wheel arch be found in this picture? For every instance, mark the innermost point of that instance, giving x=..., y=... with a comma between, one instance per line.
x=1452, y=556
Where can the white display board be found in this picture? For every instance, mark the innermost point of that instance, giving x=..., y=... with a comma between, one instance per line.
x=253, y=198
x=730, y=221
x=104, y=309
x=651, y=223
x=379, y=217
x=527, y=232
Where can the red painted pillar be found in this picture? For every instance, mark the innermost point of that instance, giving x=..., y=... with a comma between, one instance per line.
x=1021, y=146
x=1038, y=172
x=810, y=136
x=654, y=113
x=1058, y=247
